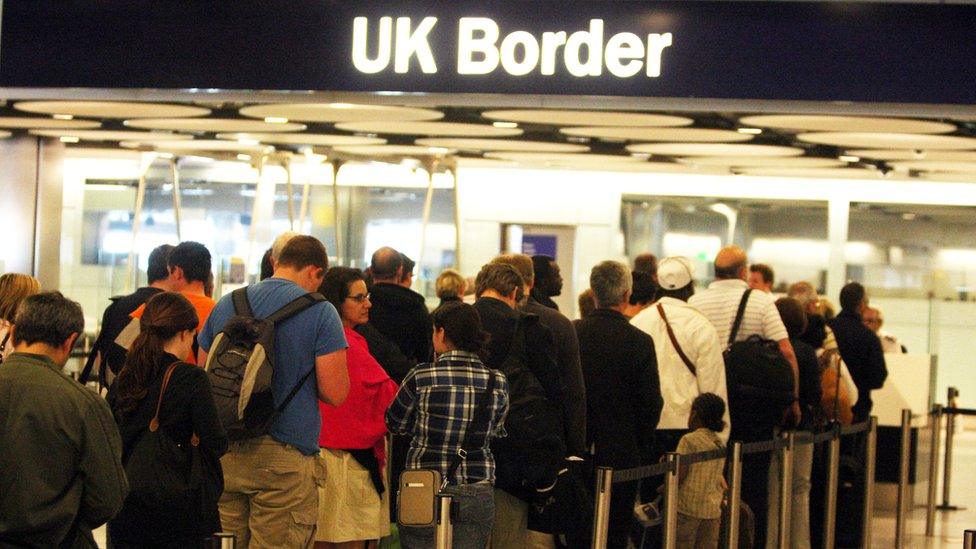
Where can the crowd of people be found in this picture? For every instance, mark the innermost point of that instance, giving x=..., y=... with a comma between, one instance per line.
x=286, y=411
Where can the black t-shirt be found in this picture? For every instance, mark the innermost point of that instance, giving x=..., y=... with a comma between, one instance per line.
x=114, y=320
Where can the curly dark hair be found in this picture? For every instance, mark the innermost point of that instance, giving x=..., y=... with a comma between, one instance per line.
x=709, y=408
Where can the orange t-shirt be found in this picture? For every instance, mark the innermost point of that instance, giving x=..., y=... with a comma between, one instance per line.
x=201, y=303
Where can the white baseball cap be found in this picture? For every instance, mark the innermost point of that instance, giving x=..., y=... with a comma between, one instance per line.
x=674, y=272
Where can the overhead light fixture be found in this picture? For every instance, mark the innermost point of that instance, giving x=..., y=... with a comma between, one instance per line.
x=849, y=158
x=642, y=156
x=750, y=131
x=166, y=155
x=69, y=139
x=62, y=117
x=276, y=120
x=248, y=141
x=908, y=216
x=244, y=157
x=438, y=150
x=504, y=124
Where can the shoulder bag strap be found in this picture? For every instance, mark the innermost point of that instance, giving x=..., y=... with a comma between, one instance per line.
x=154, y=422
x=89, y=363
x=242, y=306
x=294, y=307
x=738, y=317
x=481, y=416
x=674, y=341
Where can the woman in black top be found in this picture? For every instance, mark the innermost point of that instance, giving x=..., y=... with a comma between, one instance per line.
x=167, y=331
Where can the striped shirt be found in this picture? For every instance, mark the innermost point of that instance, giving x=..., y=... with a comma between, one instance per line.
x=720, y=302
x=701, y=491
x=435, y=405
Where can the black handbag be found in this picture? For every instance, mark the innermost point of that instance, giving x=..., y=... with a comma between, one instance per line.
x=164, y=474
x=566, y=508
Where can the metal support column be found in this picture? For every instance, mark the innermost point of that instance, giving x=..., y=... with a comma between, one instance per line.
x=431, y=167
x=457, y=221
x=147, y=160
x=443, y=530
x=224, y=540
x=601, y=510
x=786, y=490
x=174, y=166
x=336, y=166
x=289, y=188
x=307, y=188
x=833, y=480
x=670, y=531
x=903, y=465
x=969, y=539
x=935, y=430
x=870, y=462
x=735, y=493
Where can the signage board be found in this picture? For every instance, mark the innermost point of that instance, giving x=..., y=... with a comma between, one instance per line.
x=817, y=51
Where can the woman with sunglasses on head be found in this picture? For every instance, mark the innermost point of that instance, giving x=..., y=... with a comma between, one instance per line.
x=185, y=412
x=354, y=501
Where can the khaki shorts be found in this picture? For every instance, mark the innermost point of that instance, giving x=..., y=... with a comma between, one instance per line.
x=349, y=507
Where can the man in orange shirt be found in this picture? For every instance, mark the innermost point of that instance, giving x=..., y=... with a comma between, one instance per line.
x=189, y=268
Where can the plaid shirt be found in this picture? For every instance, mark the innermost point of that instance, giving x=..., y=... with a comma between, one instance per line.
x=435, y=405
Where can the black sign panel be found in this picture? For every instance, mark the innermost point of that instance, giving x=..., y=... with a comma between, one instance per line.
x=824, y=51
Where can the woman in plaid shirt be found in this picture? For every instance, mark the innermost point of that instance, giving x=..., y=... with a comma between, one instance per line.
x=435, y=405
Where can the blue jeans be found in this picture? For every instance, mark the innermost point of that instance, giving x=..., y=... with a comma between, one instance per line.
x=472, y=524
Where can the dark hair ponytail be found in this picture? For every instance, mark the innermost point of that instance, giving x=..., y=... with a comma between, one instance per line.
x=462, y=327
x=166, y=315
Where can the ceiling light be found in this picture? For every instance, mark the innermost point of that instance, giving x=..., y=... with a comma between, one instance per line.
x=244, y=157
x=341, y=105
x=849, y=158
x=62, y=117
x=166, y=155
x=248, y=142
x=908, y=216
x=750, y=131
x=438, y=150
x=69, y=139
x=504, y=124
x=642, y=156
x=276, y=120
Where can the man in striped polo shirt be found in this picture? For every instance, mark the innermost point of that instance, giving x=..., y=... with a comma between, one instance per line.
x=719, y=304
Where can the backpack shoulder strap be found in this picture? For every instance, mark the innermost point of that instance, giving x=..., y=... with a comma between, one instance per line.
x=482, y=407
x=242, y=306
x=295, y=306
x=738, y=317
x=674, y=341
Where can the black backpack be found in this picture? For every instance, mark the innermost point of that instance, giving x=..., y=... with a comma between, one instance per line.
x=759, y=378
x=532, y=454
x=241, y=367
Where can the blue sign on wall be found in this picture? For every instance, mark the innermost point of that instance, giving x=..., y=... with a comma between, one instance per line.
x=539, y=244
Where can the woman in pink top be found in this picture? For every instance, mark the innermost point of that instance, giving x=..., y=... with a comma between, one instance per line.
x=353, y=503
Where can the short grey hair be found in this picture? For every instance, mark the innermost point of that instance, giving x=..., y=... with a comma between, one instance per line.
x=48, y=318
x=279, y=244
x=610, y=281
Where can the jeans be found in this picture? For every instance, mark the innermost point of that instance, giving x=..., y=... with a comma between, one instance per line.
x=475, y=504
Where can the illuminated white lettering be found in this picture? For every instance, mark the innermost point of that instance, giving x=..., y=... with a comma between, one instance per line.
x=413, y=43
x=655, y=50
x=593, y=40
x=360, y=46
x=483, y=45
x=621, y=47
x=551, y=42
x=530, y=53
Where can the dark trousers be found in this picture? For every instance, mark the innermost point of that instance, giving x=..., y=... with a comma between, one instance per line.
x=755, y=474
x=622, y=513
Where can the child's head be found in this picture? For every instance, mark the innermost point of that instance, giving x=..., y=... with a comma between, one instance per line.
x=707, y=411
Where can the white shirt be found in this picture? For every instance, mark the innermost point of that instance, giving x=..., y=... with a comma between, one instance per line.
x=720, y=302
x=698, y=340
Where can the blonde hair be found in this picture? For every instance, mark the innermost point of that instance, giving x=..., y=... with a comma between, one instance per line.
x=450, y=283
x=14, y=288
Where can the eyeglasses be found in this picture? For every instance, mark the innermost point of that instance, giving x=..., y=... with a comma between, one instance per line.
x=359, y=298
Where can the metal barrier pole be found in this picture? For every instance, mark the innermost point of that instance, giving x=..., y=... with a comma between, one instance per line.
x=903, y=465
x=735, y=492
x=786, y=490
x=671, y=502
x=947, y=468
x=224, y=540
x=833, y=480
x=969, y=539
x=870, y=461
x=601, y=510
x=443, y=531
x=934, y=431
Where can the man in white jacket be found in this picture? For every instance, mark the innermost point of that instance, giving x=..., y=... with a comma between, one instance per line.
x=689, y=359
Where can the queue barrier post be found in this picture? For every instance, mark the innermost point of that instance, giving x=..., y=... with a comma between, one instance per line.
x=833, y=479
x=935, y=431
x=735, y=492
x=223, y=540
x=870, y=462
x=969, y=539
x=601, y=510
x=786, y=490
x=903, y=466
x=670, y=532
x=443, y=530
x=951, y=395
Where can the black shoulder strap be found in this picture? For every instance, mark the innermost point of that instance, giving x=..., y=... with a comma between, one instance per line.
x=674, y=341
x=738, y=317
x=242, y=306
x=296, y=306
x=482, y=409
x=293, y=392
x=90, y=363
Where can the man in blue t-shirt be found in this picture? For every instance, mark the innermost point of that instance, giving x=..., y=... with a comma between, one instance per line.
x=270, y=496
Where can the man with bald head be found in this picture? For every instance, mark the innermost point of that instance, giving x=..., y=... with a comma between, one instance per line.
x=398, y=312
x=719, y=303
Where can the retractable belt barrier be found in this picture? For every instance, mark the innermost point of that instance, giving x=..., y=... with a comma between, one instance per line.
x=607, y=477
x=935, y=432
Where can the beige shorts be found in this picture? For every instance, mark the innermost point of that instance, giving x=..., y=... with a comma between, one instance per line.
x=349, y=507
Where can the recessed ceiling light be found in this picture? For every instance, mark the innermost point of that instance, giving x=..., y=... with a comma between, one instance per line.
x=750, y=131
x=244, y=157
x=246, y=141
x=275, y=119
x=166, y=155
x=69, y=139
x=438, y=150
x=504, y=124
x=62, y=117
x=642, y=156
x=849, y=158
